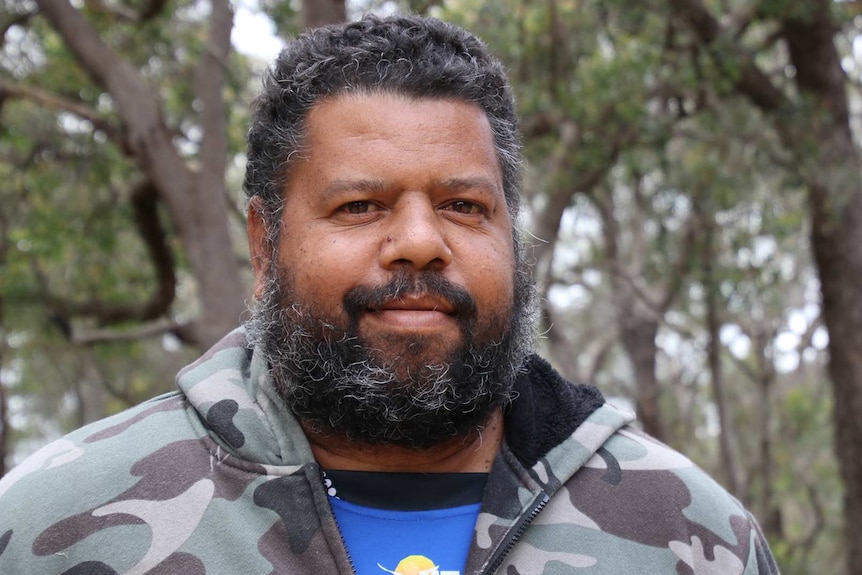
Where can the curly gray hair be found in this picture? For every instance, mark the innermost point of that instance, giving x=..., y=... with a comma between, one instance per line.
x=410, y=55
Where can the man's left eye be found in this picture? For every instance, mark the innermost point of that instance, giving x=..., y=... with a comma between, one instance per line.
x=464, y=207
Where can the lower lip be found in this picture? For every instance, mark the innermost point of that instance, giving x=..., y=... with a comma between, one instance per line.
x=413, y=319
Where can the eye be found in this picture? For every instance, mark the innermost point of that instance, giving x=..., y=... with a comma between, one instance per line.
x=360, y=207
x=464, y=207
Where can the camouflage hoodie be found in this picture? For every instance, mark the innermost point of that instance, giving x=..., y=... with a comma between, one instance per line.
x=218, y=478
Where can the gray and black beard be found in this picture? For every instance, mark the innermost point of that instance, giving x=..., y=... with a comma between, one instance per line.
x=339, y=385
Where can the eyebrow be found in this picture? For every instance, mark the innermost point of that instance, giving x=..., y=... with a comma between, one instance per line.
x=339, y=187
x=471, y=183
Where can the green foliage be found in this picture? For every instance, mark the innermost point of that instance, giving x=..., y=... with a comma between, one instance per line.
x=787, y=9
x=285, y=15
x=67, y=229
x=808, y=480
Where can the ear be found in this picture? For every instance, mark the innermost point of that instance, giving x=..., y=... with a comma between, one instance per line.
x=258, y=245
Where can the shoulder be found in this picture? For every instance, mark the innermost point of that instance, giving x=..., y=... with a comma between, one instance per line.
x=645, y=475
x=98, y=453
x=86, y=469
x=642, y=498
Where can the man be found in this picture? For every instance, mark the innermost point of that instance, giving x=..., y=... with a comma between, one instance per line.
x=382, y=411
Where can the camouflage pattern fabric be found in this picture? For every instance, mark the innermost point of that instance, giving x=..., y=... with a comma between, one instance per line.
x=217, y=478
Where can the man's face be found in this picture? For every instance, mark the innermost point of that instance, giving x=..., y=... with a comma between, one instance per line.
x=395, y=265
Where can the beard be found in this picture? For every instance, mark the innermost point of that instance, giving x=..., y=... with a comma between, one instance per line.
x=411, y=390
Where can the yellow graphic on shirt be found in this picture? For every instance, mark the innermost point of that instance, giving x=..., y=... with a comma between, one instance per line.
x=417, y=565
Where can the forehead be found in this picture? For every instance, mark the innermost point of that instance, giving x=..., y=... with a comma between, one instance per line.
x=410, y=122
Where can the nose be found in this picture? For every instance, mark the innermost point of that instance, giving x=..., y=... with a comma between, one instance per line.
x=414, y=236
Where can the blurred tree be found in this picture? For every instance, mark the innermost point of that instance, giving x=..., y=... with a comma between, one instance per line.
x=807, y=103
x=194, y=193
x=320, y=12
x=119, y=135
x=125, y=108
x=117, y=132
x=672, y=249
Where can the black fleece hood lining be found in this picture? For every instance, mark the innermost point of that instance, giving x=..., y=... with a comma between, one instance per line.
x=546, y=411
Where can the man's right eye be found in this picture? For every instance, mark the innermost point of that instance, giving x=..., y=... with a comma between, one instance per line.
x=361, y=207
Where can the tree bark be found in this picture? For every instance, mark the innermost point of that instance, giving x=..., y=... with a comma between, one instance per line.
x=5, y=431
x=195, y=198
x=637, y=324
x=830, y=163
x=638, y=337
x=729, y=460
x=836, y=244
x=771, y=523
x=321, y=12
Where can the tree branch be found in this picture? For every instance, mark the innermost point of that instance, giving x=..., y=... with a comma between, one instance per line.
x=738, y=66
x=600, y=357
x=148, y=10
x=209, y=81
x=807, y=542
x=817, y=62
x=76, y=107
x=137, y=106
x=681, y=267
x=118, y=12
x=540, y=124
x=153, y=329
x=145, y=204
x=745, y=368
x=559, y=196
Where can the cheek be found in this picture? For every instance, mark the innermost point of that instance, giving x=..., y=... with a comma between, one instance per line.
x=326, y=267
x=492, y=278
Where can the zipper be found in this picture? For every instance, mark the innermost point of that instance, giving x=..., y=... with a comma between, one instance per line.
x=334, y=520
x=341, y=537
x=515, y=533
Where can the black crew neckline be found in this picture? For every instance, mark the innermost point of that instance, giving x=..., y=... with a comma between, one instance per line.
x=399, y=491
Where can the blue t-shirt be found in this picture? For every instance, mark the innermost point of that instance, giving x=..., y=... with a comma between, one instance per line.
x=427, y=542
x=406, y=523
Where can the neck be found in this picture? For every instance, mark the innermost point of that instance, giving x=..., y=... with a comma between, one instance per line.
x=474, y=453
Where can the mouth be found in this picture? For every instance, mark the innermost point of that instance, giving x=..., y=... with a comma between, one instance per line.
x=415, y=313
x=416, y=304
x=411, y=303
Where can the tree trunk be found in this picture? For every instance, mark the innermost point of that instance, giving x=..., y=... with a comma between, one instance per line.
x=727, y=449
x=838, y=254
x=771, y=514
x=321, y=12
x=196, y=199
x=637, y=323
x=831, y=171
x=638, y=338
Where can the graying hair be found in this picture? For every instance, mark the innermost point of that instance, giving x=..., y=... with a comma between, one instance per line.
x=408, y=55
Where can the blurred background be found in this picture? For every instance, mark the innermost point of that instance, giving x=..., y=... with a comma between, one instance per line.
x=694, y=207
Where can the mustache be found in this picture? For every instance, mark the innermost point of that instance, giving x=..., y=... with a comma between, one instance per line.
x=410, y=284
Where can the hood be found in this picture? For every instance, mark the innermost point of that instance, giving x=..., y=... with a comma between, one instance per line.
x=546, y=411
x=230, y=389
